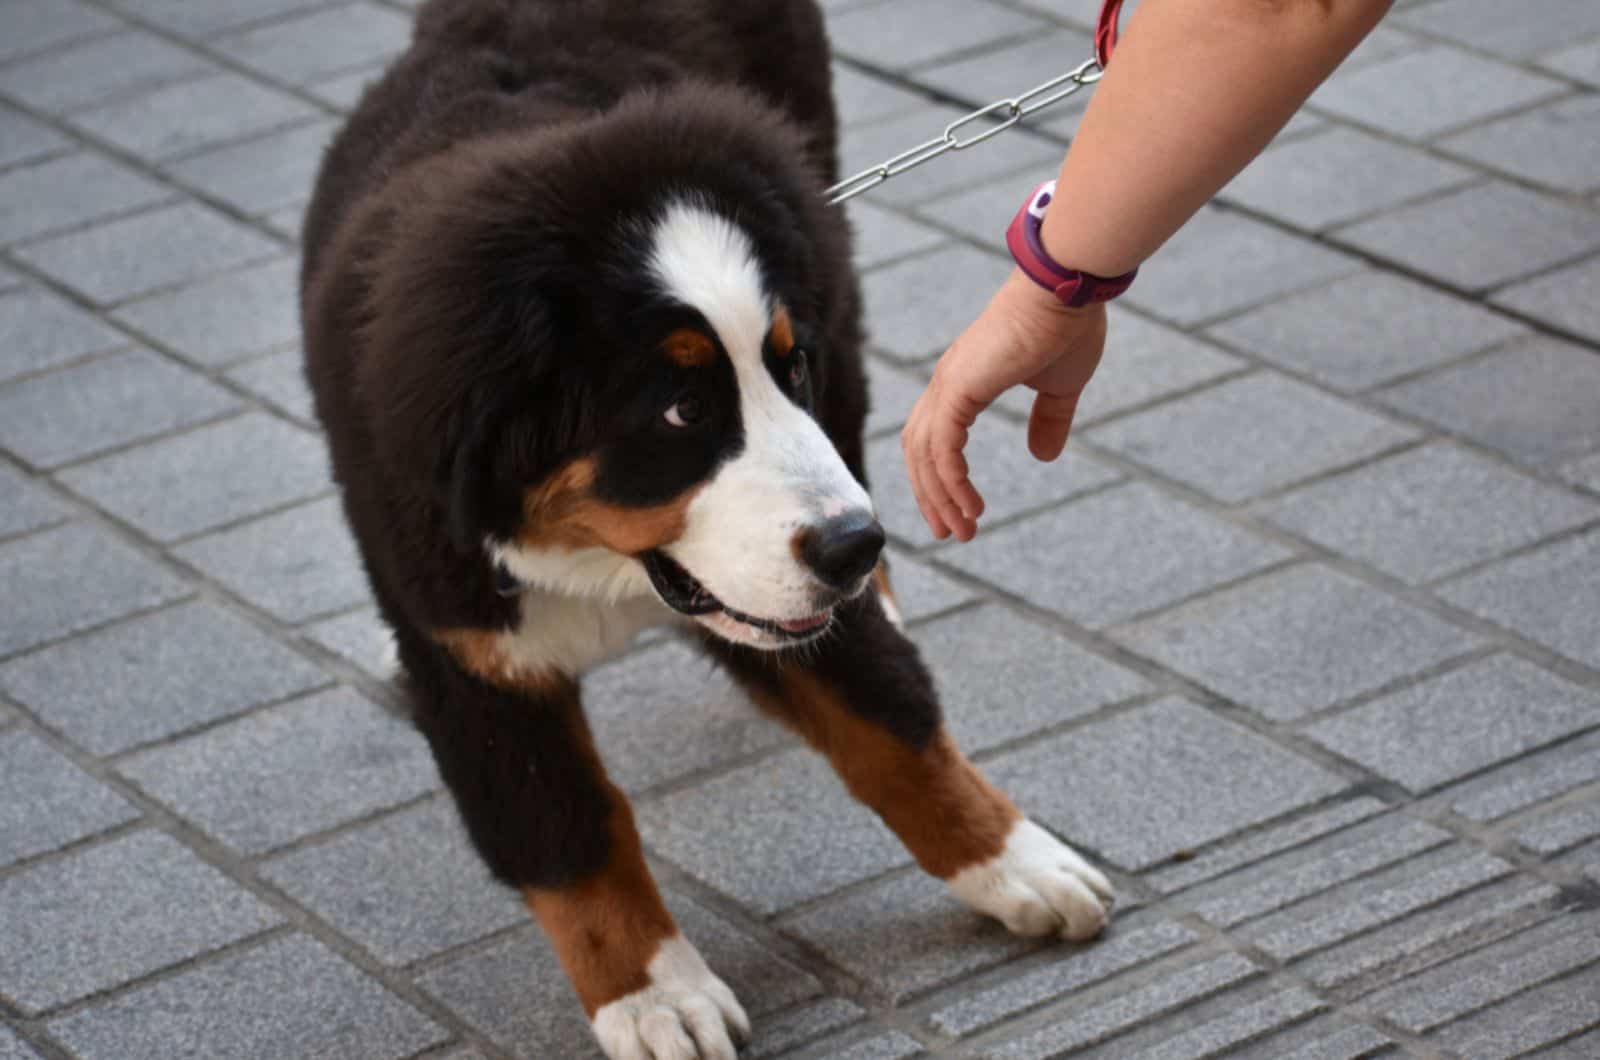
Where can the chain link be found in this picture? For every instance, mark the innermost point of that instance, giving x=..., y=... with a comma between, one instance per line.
x=1010, y=111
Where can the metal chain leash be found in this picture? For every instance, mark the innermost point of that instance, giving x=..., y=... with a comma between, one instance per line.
x=1014, y=110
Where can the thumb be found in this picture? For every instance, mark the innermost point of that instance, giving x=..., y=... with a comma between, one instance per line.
x=1050, y=423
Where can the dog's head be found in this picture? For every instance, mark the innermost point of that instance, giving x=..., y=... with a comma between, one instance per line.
x=603, y=348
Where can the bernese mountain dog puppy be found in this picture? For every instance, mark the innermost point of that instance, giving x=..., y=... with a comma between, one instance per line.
x=585, y=339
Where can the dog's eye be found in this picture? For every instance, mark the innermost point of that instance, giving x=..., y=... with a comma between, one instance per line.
x=686, y=411
x=798, y=371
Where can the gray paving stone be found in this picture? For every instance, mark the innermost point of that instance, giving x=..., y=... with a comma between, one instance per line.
x=67, y=191
x=1018, y=155
x=891, y=1046
x=796, y=1027
x=1010, y=69
x=881, y=236
x=1324, y=1038
x=287, y=772
x=152, y=677
x=46, y=802
x=1553, y=145
x=279, y=380
x=1530, y=401
x=862, y=98
x=288, y=997
x=192, y=115
x=1296, y=641
x=1183, y=285
x=225, y=318
x=260, y=175
x=1339, y=175
x=1001, y=677
x=63, y=581
x=1546, y=595
x=1459, y=723
x=1580, y=62
x=1566, y=298
x=916, y=308
x=48, y=25
x=753, y=833
x=1263, y=843
x=76, y=412
x=197, y=481
x=1430, y=512
x=212, y=17
x=296, y=565
x=23, y=139
x=893, y=392
x=1424, y=93
x=118, y=65
x=12, y=1047
x=981, y=213
x=1122, y=947
x=921, y=592
x=1584, y=472
x=1243, y=1019
x=903, y=34
x=1480, y=237
x=24, y=505
x=1530, y=780
x=321, y=42
x=667, y=712
x=405, y=888
x=1561, y=829
x=344, y=91
x=1251, y=436
x=1366, y=330
x=113, y=912
x=1489, y=26
x=1115, y=555
x=1010, y=480
x=1546, y=1014
x=1136, y=789
x=361, y=638
x=39, y=331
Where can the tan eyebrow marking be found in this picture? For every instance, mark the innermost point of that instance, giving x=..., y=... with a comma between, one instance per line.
x=781, y=334
x=690, y=348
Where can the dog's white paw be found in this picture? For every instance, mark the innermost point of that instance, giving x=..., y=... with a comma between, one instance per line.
x=1037, y=886
x=686, y=1013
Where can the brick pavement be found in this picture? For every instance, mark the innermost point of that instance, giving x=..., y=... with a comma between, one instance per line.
x=1302, y=639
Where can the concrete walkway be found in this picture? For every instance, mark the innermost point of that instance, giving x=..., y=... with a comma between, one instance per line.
x=1301, y=639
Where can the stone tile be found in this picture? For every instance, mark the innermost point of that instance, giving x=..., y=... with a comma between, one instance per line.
x=24, y=505
x=1529, y=1020
x=321, y=42
x=1001, y=677
x=66, y=580
x=1565, y=298
x=1480, y=237
x=1114, y=555
x=1251, y=436
x=296, y=565
x=288, y=997
x=1554, y=145
x=75, y=412
x=1296, y=641
x=1430, y=512
x=892, y=392
x=1528, y=780
x=113, y=262
x=46, y=802
x=1546, y=595
x=1562, y=829
x=903, y=34
x=1432, y=91
x=283, y=773
x=1450, y=726
x=1004, y=71
x=1219, y=1028
x=279, y=379
x=39, y=331
x=12, y=1047
x=1489, y=26
x=982, y=213
x=1366, y=330
x=1580, y=62
x=915, y=308
x=197, y=481
x=1532, y=401
x=754, y=833
x=103, y=68
x=881, y=236
x=862, y=98
x=48, y=25
x=260, y=175
x=667, y=712
x=224, y=318
x=1010, y=480
x=67, y=191
x=212, y=17
x=777, y=1034
x=1322, y=1038
x=890, y=1046
x=152, y=677
x=1136, y=788
x=371, y=885
x=113, y=912
x=1584, y=472
x=23, y=139
x=1263, y=843
x=361, y=638
x=192, y=115
x=1338, y=176
x=344, y=91
x=1183, y=285
x=921, y=592
x=1020, y=155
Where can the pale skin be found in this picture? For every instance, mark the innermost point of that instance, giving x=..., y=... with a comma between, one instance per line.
x=1195, y=90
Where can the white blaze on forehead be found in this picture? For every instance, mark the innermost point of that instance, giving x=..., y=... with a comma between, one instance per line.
x=706, y=261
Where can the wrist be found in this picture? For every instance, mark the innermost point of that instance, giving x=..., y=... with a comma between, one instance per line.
x=1071, y=286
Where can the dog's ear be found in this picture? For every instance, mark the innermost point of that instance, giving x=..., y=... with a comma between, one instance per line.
x=470, y=467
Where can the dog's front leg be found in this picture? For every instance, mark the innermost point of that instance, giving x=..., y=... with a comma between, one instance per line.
x=519, y=759
x=863, y=698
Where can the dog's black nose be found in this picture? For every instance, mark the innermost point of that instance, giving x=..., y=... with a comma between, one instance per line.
x=844, y=549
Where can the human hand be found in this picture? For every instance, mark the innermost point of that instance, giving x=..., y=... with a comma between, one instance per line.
x=1023, y=336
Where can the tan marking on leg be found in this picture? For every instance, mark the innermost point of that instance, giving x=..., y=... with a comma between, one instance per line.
x=936, y=801
x=485, y=654
x=562, y=512
x=781, y=334
x=690, y=348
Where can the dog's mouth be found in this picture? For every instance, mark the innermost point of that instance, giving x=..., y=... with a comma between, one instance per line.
x=682, y=592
